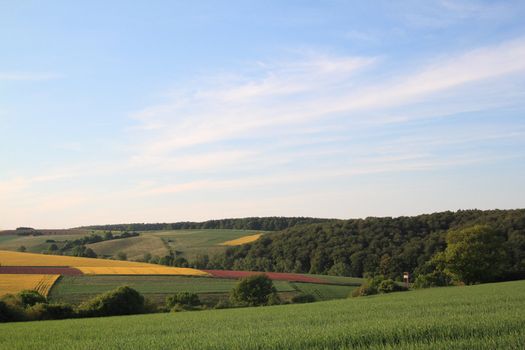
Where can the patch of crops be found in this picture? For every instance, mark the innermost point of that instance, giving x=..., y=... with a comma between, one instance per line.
x=75, y=289
x=92, y=266
x=476, y=317
x=242, y=240
x=277, y=276
x=39, y=270
x=14, y=283
x=325, y=291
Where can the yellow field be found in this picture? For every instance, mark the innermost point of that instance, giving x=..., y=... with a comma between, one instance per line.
x=155, y=270
x=93, y=266
x=14, y=283
x=242, y=240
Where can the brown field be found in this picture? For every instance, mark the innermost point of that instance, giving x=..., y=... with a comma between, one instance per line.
x=40, y=270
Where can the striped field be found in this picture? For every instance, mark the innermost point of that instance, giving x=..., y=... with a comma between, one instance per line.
x=14, y=283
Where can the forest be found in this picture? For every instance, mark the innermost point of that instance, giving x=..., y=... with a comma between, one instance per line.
x=375, y=246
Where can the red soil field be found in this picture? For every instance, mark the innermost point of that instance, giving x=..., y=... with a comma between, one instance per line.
x=278, y=276
x=30, y=270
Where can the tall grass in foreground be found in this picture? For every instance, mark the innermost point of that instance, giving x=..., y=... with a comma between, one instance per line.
x=477, y=317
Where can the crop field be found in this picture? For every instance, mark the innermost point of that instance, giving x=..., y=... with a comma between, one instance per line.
x=74, y=289
x=476, y=317
x=9, y=258
x=140, y=270
x=14, y=283
x=325, y=291
x=242, y=240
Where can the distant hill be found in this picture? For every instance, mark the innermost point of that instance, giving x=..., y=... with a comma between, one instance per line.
x=273, y=223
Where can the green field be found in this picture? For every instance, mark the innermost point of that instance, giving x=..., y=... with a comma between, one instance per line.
x=75, y=289
x=486, y=316
x=324, y=291
x=193, y=242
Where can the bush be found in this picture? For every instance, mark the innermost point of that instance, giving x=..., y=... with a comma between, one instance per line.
x=120, y=301
x=30, y=297
x=389, y=286
x=377, y=284
x=183, y=300
x=222, y=304
x=9, y=312
x=43, y=311
x=303, y=298
x=435, y=278
x=254, y=291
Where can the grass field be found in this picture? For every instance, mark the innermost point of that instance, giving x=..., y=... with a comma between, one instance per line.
x=134, y=247
x=74, y=289
x=476, y=317
x=193, y=242
x=324, y=291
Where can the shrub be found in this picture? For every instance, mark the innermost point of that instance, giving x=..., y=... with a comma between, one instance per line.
x=120, y=301
x=183, y=300
x=377, y=284
x=30, y=297
x=11, y=309
x=43, y=311
x=254, y=291
x=303, y=298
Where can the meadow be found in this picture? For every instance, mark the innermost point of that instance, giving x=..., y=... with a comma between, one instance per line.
x=475, y=317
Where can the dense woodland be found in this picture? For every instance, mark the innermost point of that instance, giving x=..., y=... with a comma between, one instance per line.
x=274, y=223
x=374, y=246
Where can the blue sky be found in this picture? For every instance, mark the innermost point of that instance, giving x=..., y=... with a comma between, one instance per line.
x=119, y=111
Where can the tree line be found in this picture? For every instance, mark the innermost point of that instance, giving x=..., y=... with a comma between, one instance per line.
x=275, y=223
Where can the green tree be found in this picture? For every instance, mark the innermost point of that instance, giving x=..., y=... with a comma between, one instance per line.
x=122, y=256
x=475, y=254
x=254, y=291
x=120, y=301
x=22, y=248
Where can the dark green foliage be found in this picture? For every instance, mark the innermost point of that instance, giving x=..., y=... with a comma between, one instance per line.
x=10, y=311
x=377, y=285
x=254, y=290
x=183, y=300
x=30, y=297
x=22, y=249
x=120, y=301
x=254, y=223
x=374, y=246
x=44, y=311
x=303, y=298
x=122, y=256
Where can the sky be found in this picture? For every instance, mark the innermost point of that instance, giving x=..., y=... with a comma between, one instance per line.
x=164, y=111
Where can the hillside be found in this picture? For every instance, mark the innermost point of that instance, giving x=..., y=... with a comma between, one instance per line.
x=476, y=317
x=373, y=246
